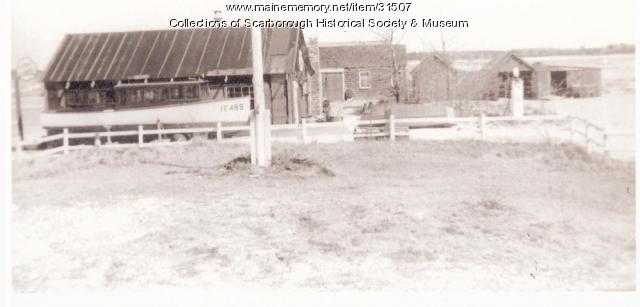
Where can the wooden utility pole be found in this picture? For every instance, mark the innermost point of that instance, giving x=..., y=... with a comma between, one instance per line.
x=262, y=122
x=16, y=84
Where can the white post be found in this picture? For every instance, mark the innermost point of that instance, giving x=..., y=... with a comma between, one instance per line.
x=517, y=94
x=252, y=137
x=219, y=132
x=605, y=143
x=65, y=140
x=392, y=128
x=18, y=149
x=108, y=135
x=572, y=127
x=483, y=123
x=158, y=126
x=450, y=112
x=140, y=136
x=267, y=136
x=304, y=131
x=587, y=142
x=296, y=112
x=258, y=93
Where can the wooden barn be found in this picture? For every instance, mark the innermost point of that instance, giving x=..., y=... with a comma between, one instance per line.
x=361, y=71
x=568, y=81
x=434, y=79
x=112, y=71
x=493, y=80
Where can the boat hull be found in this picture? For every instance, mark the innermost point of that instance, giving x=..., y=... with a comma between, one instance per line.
x=231, y=110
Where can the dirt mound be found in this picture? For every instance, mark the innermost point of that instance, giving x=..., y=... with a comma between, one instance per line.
x=281, y=164
x=241, y=163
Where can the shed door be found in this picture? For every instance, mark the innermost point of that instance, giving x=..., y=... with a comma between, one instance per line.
x=332, y=86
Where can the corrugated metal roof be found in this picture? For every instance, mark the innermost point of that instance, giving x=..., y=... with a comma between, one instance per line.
x=167, y=54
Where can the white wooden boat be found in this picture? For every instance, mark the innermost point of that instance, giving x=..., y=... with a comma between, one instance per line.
x=230, y=110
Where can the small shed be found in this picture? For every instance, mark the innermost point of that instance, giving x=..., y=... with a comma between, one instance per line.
x=434, y=79
x=493, y=80
x=569, y=81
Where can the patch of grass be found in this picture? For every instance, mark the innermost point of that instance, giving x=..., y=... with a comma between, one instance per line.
x=392, y=208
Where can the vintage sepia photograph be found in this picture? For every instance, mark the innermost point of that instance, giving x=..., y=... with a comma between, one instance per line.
x=322, y=145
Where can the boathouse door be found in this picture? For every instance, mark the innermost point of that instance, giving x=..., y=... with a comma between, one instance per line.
x=333, y=85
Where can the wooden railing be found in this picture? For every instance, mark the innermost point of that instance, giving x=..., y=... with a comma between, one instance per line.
x=582, y=132
x=219, y=129
x=593, y=137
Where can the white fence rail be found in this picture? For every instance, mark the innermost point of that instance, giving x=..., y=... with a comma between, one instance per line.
x=597, y=137
x=582, y=132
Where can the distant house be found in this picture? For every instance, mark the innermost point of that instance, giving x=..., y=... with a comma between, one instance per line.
x=361, y=71
x=117, y=70
x=434, y=79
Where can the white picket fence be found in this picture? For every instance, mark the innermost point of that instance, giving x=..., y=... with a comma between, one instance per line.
x=592, y=137
x=582, y=132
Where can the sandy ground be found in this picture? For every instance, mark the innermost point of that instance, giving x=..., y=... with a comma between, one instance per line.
x=363, y=215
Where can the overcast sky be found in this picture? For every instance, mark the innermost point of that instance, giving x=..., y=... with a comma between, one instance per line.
x=38, y=26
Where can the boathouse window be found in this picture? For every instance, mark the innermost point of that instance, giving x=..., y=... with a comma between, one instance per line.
x=176, y=93
x=149, y=95
x=364, y=79
x=215, y=90
x=190, y=92
x=239, y=91
x=160, y=94
x=81, y=98
x=136, y=96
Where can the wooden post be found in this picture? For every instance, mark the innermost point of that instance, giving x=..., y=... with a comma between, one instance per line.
x=16, y=83
x=140, y=136
x=296, y=112
x=65, y=140
x=267, y=136
x=605, y=143
x=483, y=120
x=450, y=112
x=258, y=96
x=158, y=127
x=392, y=127
x=219, y=131
x=304, y=131
x=252, y=137
x=18, y=150
x=109, y=135
x=572, y=127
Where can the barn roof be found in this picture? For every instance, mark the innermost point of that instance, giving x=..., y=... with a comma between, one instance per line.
x=167, y=54
x=505, y=63
x=361, y=55
x=434, y=57
x=539, y=66
x=476, y=81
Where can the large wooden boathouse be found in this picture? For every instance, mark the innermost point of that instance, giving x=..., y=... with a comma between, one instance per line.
x=146, y=69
